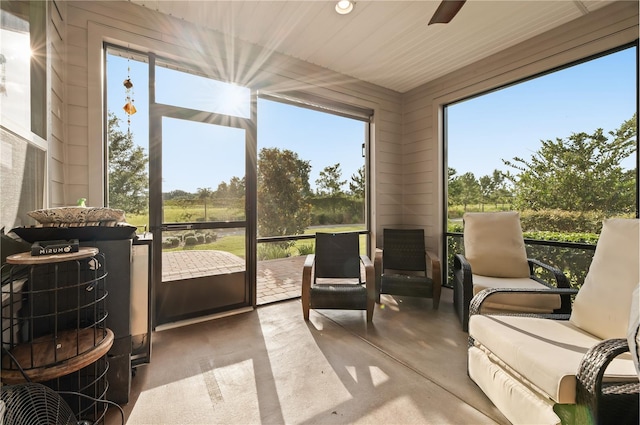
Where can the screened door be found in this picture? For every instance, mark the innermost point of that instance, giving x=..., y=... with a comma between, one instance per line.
x=199, y=152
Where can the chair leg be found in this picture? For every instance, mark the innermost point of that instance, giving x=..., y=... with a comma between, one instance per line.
x=370, y=306
x=436, y=296
x=305, y=311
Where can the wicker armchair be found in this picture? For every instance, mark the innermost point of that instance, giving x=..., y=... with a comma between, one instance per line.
x=401, y=266
x=332, y=277
x=495, y=257
x=566, y=368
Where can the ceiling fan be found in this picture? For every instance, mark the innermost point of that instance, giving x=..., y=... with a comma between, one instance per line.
x=446, y=11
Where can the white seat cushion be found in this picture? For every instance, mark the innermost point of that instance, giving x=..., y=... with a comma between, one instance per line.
x=517, y=402
x=526, y=303
x=546, y=353
x=603, y=303
x=493, y=244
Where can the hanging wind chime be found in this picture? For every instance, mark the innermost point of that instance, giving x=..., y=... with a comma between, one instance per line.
x=128, y=107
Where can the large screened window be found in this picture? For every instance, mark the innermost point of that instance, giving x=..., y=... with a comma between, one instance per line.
x=128, y=134
x=560, y=148
x=311, y=178
x=307, y=171
x=23, y=101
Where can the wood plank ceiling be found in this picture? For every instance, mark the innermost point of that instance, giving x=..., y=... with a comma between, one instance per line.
x=387, y=43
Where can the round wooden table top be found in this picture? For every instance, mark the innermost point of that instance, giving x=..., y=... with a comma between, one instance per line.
x=48, y=358
x=27, y=258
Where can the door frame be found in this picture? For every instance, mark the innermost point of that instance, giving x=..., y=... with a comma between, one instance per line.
x=156, y=112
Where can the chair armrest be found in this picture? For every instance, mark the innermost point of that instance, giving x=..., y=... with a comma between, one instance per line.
x=482, y=296
x=436, y=277
x=370, y=276
x=590, y=391
x=305, y=296
x=436, y=271
x=370, y=284
x=462, y=270
x=306, y=271
x=462, y=288
x=377, y=265
x=559, y=277
x=308, y=262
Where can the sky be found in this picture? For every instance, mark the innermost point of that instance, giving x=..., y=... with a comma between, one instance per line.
x=512, y=122
x=198, y=155
x=480, y=132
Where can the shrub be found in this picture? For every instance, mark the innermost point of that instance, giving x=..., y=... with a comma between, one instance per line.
x=455, y=211
x=305, y=249
x=170, y=242
x=561, y=221
x=272, y=251
x=320, y=219
x=190, y=241
x=200, y=238
x=454, y=226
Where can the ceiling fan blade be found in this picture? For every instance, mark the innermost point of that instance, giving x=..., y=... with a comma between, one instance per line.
x=446, y=11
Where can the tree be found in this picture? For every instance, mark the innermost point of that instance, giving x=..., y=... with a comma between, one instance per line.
x=454, y=188
x=469, y=189
x=236, y=187
x=231, y=194
x=175, y=194
x=580, y=173
x=357, y=183
x=282, y=205
x=128, y=178
x=329, y=182
x=204, y=194
x=490, y=187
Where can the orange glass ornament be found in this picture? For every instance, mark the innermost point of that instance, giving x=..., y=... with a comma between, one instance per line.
x=129, y=108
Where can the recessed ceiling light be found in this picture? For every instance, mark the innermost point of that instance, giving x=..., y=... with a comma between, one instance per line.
x=344, y=6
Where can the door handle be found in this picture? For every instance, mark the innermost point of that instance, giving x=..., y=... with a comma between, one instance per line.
x=166, y=227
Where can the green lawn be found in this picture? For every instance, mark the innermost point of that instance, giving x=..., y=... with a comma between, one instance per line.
x=235, y=244
x=176, y=214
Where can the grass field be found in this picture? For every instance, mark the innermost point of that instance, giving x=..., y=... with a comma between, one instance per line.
x=235, y=244
x=176, y=214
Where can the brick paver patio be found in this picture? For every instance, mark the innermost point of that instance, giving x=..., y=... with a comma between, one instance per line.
x=278, y=279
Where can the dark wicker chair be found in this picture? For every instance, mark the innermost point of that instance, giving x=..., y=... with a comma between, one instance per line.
x=598, y=401
x=483, y=231
x=509, y=352
x=332, y=277
x=463, y=286
x=401, y=266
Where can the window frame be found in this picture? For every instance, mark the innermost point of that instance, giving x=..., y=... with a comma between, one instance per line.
x=442, y=123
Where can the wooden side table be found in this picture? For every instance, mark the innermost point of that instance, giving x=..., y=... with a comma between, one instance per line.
x=59, y=336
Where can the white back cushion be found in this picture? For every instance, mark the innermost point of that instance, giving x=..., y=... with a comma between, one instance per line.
x=493, y=244
x=603, y=304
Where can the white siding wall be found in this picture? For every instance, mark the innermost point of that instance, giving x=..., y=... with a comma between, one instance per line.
x=89, y=24
x=56, y=128
x=423, y=151
x=407, y=152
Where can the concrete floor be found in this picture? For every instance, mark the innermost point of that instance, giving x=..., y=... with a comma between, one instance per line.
x=269, y=366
